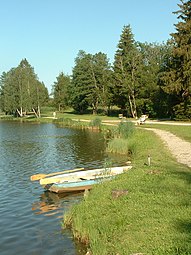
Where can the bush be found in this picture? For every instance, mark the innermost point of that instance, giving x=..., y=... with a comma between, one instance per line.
x=126, y=129
x=118, y=145
x=95, y=122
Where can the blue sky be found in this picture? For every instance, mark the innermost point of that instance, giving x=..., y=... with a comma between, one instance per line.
x=50, y=33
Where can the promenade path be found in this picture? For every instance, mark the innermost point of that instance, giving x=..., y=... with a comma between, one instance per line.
x=179, y=148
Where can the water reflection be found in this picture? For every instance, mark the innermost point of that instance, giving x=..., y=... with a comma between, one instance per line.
x=51, y=203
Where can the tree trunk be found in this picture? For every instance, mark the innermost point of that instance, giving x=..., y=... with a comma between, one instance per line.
x=95, y=106
x=131, y=107
x=35, y=112
x=39, y=114
x=132, y=90
x=20, y=112
x=134, y=106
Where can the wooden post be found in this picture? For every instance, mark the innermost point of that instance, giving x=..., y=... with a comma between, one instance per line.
x=149, y=160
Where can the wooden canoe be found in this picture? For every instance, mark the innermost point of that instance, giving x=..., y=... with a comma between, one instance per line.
x=86, y=174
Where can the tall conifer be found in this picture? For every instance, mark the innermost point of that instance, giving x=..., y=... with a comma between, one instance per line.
x=126, y=64
x=177, y=79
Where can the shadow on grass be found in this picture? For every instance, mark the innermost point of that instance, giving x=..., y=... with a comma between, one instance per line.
x=184, y=175
x=184, y=227
x=184, y=243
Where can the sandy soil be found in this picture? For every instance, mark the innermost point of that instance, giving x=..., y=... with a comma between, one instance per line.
x=179, y=148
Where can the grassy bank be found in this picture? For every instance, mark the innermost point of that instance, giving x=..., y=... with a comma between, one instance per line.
x=153, y=218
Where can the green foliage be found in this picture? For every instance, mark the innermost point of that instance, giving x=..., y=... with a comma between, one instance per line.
x=126, y=144
x=81, y=82
x=122, y=140
x=67, y=122
x=126, y=129
x=118, y=145
x=126, y=66
x=150, y=98
x=21, y=91
x=182, y=111
x=177, y=76
x=95, y=122
x=61, y=91
x=91, y=82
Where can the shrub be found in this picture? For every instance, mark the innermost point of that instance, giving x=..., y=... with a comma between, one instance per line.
x=118, y=145
x=95, y=122
x=126, y=129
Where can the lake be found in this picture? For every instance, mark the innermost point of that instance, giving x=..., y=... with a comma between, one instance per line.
x=30, y=218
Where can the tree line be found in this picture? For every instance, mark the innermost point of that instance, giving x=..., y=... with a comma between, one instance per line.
x=145, y=78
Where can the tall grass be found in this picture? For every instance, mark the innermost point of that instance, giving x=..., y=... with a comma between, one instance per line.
x=126, y=129
x=68, y=122
x=153, y=219
x=124, y=139
x=118, y=145
x=96, y=123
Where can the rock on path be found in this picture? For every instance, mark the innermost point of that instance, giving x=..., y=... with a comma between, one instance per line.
x=178, y=147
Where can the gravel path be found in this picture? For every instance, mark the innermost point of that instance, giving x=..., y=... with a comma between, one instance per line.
x=179, y=148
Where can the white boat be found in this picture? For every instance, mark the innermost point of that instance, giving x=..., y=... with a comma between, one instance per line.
x=85, y=175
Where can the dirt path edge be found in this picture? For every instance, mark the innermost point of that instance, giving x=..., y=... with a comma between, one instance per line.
x=179, y=148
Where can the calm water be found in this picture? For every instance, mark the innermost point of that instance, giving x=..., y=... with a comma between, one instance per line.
x=30, y=218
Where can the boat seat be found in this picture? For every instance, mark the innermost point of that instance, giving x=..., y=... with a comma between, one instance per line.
x=84, y=179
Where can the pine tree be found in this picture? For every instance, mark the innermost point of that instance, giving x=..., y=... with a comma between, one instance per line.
x=81, y=82
x=126, y=64
x=9, y=92
x=177, y=79
x=61, y=91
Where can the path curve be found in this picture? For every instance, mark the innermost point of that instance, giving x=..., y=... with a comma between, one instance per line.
x=179, y=148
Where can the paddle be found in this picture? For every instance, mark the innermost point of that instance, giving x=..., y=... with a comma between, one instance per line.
x=37, y=177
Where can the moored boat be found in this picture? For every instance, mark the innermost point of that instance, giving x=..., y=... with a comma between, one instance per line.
x=80, y=185
x=83, y=180
x=85, y=175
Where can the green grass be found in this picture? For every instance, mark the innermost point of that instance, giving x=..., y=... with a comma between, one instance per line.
x=153, y=219
x=183, y=132
x=84, y=116
x=123, y=141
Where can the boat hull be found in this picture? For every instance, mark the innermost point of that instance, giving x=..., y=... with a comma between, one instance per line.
x=86, y=174
x=75, y=186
